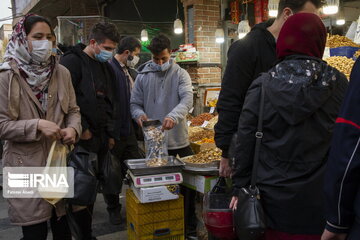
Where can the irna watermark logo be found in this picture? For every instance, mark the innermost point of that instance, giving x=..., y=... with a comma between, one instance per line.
x=38, y=182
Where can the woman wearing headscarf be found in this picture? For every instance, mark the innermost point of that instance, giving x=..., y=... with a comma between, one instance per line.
x=37, y=106
x=302, y=99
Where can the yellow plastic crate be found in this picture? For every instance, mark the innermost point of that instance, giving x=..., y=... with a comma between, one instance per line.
x=160, y=220
x=145, y=213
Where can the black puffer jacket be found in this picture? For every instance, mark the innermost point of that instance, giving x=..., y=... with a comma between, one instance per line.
x=302, y=99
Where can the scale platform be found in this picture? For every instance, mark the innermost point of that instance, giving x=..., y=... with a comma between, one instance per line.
x=156, y=180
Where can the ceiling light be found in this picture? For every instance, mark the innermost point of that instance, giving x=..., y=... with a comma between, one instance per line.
x=144, y=35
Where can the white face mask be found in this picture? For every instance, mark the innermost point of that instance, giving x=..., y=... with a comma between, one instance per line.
x=41, y=50
x=132, y=61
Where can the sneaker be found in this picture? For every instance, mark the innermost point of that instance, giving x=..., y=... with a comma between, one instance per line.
x=115, y=215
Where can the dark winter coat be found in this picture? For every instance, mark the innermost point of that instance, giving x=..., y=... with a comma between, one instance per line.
x=302, y=99
x=342, y=182
x=247, y=59
x=84, y=84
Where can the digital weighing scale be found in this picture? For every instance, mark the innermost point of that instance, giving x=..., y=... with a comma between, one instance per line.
x=156, y=180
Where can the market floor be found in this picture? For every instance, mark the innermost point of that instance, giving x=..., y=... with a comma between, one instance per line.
x=102, y=229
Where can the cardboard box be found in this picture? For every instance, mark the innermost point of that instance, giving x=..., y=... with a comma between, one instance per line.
x=202, y=184
x=155, y=194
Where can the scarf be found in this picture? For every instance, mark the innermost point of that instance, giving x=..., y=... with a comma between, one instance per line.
x=36, y=74
x=302, y=34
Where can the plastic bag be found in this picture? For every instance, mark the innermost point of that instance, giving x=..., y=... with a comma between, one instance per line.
x=111, y=175
x=85, y=180
x=155, y=140
x=55, y=164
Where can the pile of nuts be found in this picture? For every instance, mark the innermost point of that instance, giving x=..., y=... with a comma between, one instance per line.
x=156, y=162
x=343, y=64
x=199, y=120
x=357, y=54
x=334, y=41
x=205, y=156
x=198, y=133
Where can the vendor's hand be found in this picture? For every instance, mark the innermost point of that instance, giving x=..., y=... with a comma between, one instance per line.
x=168, y=124
x=68, y=135
x=233, y=203
x=86, y=135
x=49, y=129
x=225, y=169
x=111, y=143
x=141, y=119
x=327, y=235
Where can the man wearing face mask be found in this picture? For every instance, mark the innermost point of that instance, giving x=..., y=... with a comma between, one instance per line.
x=126, y=147
x=163, y=91
x=93, y=81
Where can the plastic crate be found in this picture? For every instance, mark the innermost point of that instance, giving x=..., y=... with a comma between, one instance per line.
x=159, y=220
x=343, y=51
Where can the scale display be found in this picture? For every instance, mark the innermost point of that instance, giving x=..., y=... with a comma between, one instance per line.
x=156, y=180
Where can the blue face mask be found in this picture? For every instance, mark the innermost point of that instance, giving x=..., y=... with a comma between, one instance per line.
x=165, y=66
x=103, y=56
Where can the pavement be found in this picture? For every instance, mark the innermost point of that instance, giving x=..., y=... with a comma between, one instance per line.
x=102, y=229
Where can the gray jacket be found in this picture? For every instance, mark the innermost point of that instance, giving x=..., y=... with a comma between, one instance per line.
x=159, y=94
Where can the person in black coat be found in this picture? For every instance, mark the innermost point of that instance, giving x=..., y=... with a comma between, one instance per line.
x=93, y=80
x=303, y=95
x=126, y=145
x=247, y=59
x=342, y=179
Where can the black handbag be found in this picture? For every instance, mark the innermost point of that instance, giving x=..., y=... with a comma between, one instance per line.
x=111, y=175
x=249, y=216
x=85, y=180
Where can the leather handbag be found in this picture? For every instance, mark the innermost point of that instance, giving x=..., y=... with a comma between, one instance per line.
x=249, y=216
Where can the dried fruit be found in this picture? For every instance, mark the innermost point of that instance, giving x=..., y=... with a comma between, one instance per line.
x=198, y=133
x=205, y=140
x=200, y=119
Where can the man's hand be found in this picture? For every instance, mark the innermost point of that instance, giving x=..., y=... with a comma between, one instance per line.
x=49, y=129
x=233, y=203
x=225, y=169
x=86, y=135
x=68, y=135
x=111, y=143
x=168, y=123
x=141, y=119
x=327, y=235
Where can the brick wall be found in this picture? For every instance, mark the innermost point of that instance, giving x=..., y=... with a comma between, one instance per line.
x=206, y=20
x=203, y=75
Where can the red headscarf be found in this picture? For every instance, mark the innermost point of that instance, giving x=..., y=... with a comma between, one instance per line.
x=302, y=34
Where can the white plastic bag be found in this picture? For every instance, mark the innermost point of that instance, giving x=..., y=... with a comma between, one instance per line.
x=55, y=166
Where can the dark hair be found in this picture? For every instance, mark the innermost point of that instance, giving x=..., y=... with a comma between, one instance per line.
x=31, y=20
x=159, y=44
x=128, y=43
x=102, y=31
x=298, y=5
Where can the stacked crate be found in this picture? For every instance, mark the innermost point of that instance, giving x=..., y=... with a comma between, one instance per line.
x=158, y=220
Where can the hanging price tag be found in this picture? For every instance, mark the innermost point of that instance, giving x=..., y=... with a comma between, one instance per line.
x=188, y=123
x=205, y=124
x=212, y=110
x=191, y=110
